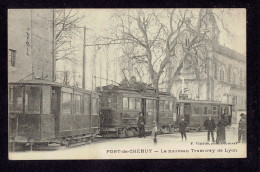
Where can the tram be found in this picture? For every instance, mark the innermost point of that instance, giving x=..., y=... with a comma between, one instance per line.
x=195, y=112
x=44, y=112
x=121, y=105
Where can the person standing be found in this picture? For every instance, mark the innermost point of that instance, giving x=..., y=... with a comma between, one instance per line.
x=242, y=128
x=154, y=133
x=141, y=125
x=210, y=126
x=221, y=134
x=182, y=128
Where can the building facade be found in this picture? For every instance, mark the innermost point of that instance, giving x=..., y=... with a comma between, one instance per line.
x=224, y=76
x=30, y=44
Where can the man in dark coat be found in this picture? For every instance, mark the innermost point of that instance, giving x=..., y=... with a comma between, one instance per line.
x=182, y=128
x=242, y=128
x=221, y=133
x=210, y=126
x=141, y=125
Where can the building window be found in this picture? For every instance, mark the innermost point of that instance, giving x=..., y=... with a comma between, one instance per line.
x=215, y=71
x=12, y=55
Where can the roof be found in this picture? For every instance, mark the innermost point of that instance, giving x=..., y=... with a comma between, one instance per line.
x=228, y=52
x=201, y=101
x=46, y=82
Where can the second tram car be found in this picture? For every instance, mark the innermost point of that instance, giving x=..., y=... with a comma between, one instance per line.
x=195, y=112
x=121, y=106
x=44, y=112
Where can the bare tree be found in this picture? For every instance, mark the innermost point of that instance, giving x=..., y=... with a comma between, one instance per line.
x=66, y=21
x=153, y=38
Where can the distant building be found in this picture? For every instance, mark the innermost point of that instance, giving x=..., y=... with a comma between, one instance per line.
x=30, y=44
x=224, y=76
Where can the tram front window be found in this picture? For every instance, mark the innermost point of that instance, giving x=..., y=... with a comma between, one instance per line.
x=32, y=99
x=149, y=105
x=15, y=102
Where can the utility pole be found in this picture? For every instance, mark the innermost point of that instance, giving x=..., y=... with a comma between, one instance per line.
x=53, y=51
x=84, y=59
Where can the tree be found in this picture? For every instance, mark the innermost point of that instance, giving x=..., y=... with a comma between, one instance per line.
x=151, y=38
x=67, y=34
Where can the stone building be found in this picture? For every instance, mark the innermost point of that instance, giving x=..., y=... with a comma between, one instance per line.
x=30, y=44
x=224, y=76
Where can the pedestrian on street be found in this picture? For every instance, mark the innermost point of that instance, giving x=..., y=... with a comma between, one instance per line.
x=221, y=134
x=210, y=126
x=154, y=133
x=141, y=125
x=242, y=128
x=182, y=128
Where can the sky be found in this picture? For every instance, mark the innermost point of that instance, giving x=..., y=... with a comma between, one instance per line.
x=98, y=20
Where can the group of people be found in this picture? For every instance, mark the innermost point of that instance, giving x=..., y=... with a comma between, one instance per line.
x=221, y=134
x=209, y=125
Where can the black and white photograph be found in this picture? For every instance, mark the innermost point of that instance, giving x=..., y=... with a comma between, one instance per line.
x=126, y=83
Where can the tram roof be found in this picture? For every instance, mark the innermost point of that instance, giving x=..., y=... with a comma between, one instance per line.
x=201, y=101
x=46, y=82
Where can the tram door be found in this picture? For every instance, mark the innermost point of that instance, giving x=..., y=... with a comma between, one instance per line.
x=187, y=112
x=55, y=107
x=144, y=107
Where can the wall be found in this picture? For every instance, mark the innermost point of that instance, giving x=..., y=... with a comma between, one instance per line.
x=30, y=34
x=19, y=22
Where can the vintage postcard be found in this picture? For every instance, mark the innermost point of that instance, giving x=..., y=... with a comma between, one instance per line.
x=127, y=83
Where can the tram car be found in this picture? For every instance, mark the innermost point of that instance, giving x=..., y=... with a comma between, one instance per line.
x=166, y=118
x=195, y=112
x=44, y=112
x=120, y=108
x=121, y=105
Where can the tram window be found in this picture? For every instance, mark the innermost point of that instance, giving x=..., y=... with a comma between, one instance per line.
x=209, y=110
x=66, y=103
x=170, y=105
x=205, y=110
x=161, y=105
x=166, y=105
x=125, y=103
x=196, y=110
x=214, y=110
x=46, y=100
x=131, y=103
x=178, y=109
x=138, y=103
x=78, y=105
x=16, y=99
x=87, y=104
x=114, y=101
x=32, y=99
x=94, y=105
x=149, y=105
x=97, y=105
